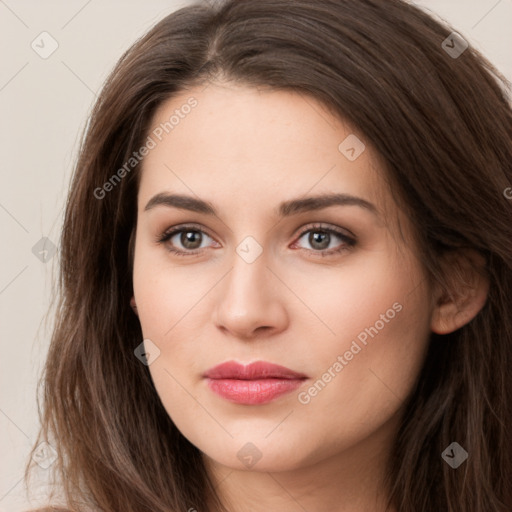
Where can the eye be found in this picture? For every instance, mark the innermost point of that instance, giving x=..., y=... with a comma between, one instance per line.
x=183, y=240
x=321, y=240
x=188, y=240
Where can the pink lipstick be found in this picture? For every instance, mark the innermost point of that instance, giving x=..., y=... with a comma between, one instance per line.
x=253, y=384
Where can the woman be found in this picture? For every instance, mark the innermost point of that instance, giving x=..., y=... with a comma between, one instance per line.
x=287, y=269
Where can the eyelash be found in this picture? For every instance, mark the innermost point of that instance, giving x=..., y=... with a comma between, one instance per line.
x=348, y=242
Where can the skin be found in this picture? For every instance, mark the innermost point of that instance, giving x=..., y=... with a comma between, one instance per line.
x=246, y=150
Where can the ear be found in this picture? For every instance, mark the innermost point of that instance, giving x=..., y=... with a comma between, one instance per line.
x=464, y=292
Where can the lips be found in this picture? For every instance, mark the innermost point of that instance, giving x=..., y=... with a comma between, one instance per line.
x=253, y=371
x=257, y=383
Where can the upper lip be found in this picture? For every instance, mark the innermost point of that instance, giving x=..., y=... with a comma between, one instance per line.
x=252, y=371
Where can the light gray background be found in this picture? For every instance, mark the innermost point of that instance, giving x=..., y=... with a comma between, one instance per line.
x=44, y=105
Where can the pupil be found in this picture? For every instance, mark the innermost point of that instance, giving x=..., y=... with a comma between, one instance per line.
x=320, y=237
x=187, y=239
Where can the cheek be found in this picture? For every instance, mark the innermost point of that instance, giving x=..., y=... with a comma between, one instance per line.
x=365, y=373
x=367, y=294
x=169, y=310
x=382, y=349
x=376, y=317
x=166, y=294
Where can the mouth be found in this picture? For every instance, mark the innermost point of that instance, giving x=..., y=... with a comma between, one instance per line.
x=253, y=384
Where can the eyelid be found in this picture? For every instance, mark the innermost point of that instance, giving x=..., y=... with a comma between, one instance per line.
x=304, y=229
x=321, y=226
x=166, y=235
x=183, y=227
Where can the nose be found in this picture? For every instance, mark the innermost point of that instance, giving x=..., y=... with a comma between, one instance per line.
x=250, y=300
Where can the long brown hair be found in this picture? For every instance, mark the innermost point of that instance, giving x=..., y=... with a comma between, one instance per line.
x=441, y=122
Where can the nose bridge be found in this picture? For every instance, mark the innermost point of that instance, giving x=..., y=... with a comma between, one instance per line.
x=248, y=279
x=248, y=299
x=250, y=258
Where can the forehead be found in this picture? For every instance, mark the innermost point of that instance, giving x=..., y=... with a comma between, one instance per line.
x=253, y=148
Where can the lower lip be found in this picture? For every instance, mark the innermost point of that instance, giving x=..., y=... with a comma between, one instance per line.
x=253, y=392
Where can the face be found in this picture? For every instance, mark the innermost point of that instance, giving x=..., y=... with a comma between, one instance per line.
x=327, y=290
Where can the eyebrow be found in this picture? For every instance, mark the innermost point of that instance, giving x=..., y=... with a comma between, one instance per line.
x=285, y=209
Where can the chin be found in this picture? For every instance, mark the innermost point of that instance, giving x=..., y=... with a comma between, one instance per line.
x=259, y=456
